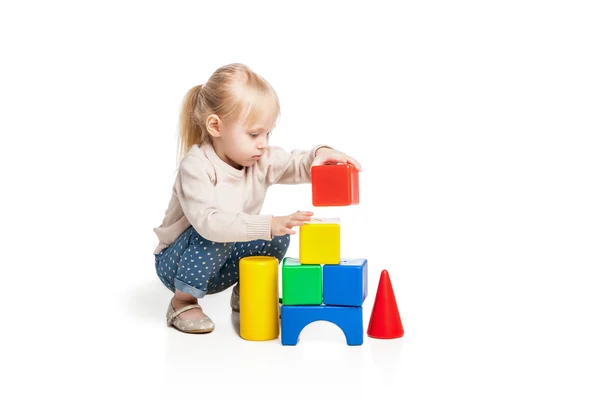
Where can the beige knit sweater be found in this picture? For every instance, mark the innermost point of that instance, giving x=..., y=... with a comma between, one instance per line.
x=222, y=203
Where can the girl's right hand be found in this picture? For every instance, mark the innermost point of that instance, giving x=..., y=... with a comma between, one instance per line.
x=283, y=225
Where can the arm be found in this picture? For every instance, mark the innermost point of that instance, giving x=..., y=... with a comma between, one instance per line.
x=196, y=194
x=289, y=167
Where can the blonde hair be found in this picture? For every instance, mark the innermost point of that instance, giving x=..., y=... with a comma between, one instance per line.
x=232, y=91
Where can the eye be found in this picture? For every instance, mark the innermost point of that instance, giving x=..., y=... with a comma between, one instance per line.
x=254, y=135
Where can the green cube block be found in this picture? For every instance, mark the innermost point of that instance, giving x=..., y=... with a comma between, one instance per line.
x=302, y=284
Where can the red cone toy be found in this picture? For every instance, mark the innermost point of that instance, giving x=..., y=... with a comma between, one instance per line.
x=385, y=322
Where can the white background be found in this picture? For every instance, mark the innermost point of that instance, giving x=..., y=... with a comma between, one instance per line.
x=477, y=124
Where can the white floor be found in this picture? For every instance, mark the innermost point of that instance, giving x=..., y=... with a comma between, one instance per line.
x=463, y=347
x=232, y=364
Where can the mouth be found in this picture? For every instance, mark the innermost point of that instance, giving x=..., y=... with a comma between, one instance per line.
x=256, y=157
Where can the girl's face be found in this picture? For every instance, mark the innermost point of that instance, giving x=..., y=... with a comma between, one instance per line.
x=240, y=144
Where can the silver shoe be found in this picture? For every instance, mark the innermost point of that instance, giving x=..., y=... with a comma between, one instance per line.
x=202, y=325
x=235, y=298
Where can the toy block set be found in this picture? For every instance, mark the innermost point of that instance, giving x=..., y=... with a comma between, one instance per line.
x=333, y=291
x=319, y=285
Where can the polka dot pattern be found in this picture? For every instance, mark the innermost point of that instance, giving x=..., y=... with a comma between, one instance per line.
x=198, y=266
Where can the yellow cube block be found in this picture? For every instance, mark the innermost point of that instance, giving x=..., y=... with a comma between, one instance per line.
x=320, y=241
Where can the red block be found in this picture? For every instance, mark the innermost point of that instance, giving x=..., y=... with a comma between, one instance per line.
x=334, y=185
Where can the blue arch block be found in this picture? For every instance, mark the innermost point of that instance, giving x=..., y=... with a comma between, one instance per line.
x=295, y=318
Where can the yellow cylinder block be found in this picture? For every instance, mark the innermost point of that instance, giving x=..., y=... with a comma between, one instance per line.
x=259, y=298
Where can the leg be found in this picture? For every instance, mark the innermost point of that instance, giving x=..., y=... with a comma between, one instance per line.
x=228, y=275
x=189, y=263
x=199, y=265
x=186, y=267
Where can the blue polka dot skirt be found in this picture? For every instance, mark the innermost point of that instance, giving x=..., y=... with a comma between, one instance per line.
x=198, y=266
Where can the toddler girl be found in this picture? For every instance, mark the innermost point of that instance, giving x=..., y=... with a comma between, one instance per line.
x=226, y=166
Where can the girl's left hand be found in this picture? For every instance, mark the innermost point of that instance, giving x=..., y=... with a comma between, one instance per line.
x=326, y=155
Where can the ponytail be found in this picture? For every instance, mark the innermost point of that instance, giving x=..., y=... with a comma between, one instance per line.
x=191, y=131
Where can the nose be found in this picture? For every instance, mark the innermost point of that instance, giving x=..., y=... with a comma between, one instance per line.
x=262, y=143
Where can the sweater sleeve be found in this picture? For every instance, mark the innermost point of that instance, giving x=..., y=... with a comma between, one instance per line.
x=290, y=167
x=196, y=194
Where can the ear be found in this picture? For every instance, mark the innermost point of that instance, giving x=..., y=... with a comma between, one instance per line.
x=213, y=125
